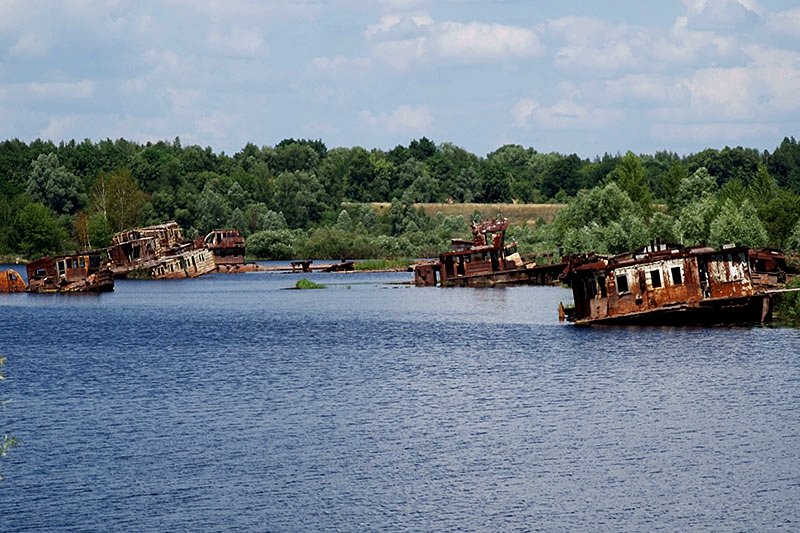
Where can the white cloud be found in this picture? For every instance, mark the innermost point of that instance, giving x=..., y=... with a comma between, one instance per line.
x=724, y=93
x=401, y=40
x=523, y=111
x=562, y=115
x=62, y=127
x=593, y=45
x=30, y=45
x=484, y=41
x=403, y=119
x=722, y=15
x=652, y=89
x=786, y=22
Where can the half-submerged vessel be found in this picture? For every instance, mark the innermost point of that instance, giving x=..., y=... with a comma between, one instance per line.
x=11, y=281
x=228, y=248
x=673, y=285
x=158, y=252
x=485, y=260
x=81, y=272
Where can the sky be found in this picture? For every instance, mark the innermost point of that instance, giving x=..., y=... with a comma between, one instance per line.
x=563, y=76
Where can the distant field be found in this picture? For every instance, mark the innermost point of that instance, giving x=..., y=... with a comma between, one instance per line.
x=517, y=214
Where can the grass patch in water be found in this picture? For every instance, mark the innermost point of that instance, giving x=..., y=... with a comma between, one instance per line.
x=304, y=284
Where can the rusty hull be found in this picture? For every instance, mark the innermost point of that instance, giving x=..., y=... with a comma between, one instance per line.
x=11, y=281
x=670, y=285
x=159, y=252
x=82, y=272
x=484, y=261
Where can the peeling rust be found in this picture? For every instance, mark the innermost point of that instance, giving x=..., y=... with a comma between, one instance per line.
x=669, y=285
x=159, y=252
x=82, y=272
x=11, y=281
x=485, y=260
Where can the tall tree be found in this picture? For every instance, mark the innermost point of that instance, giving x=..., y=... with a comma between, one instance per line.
x=53, y=185
x=117, y=197
x=630, y=175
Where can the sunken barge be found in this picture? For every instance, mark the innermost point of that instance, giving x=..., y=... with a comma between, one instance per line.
x=674, y=286
x=158, y=252
x=486, y=260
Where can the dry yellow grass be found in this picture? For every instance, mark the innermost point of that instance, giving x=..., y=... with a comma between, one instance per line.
x=517, y=214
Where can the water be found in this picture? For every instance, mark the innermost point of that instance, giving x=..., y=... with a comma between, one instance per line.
x=228, y=402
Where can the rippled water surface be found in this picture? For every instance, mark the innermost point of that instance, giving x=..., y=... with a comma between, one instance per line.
x=228, y=402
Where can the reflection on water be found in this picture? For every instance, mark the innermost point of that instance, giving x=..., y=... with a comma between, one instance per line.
x=229, y=402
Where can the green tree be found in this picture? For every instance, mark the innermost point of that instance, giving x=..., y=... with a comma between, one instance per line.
x=737, y=224
x=694, y=221
x=99, y=231
x=630, y=176
x=37, y=231
x=117, y=197
x=272, y=244
x=53, y=185
x=496, y=184
x=300, y=197
x=697, y=186
x=793, y=242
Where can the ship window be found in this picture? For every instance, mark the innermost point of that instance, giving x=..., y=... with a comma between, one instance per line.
x=677, y=279
x=82, y=262
x=622, y=283
x=655, y=278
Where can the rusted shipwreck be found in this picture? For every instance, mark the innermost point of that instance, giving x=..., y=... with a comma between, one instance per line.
x=81, y=272
x=672, y=285
x=485, y=260
x=228, y=248
x=158, y=252
x=11, y=281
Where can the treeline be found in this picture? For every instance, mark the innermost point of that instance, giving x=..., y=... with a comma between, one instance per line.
x=289, y=198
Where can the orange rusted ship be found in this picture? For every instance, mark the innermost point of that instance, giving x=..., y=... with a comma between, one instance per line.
x=11, y=281
x=672, y=285
x=484, y=261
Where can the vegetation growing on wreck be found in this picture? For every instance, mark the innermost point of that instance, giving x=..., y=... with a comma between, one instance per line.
x=298, y=199
x=304, y=284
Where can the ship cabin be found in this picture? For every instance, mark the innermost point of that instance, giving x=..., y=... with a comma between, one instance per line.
x=84, y=271
x=227, y=245
x=666, y=284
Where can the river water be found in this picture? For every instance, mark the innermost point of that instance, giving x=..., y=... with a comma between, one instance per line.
x=229, y=402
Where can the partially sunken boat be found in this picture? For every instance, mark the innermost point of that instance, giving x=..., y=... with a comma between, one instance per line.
x=11, y=281
x=228, y=248
x=158, y=252
x=672, y=285
x=483, y=261
x=82, y=272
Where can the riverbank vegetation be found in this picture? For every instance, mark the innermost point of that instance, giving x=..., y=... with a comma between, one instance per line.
x=300, y=199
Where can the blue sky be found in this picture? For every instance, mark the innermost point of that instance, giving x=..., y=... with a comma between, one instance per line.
x=564, y=76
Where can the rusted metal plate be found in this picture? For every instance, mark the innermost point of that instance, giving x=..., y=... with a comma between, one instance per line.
x=670, y=284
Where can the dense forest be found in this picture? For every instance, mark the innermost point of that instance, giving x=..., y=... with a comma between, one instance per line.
x=301, y=199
